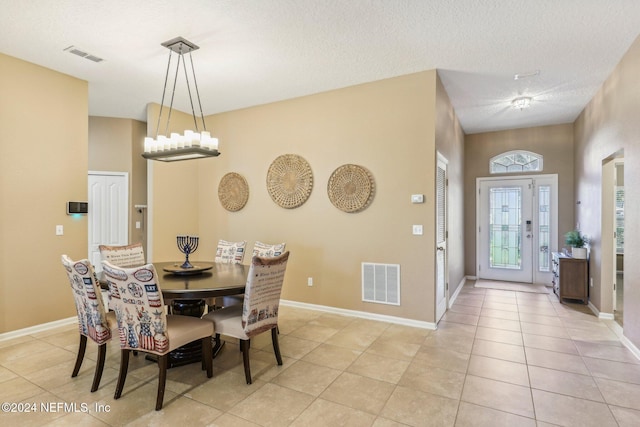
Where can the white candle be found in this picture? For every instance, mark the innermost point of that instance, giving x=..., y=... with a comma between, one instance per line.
x=188, y=138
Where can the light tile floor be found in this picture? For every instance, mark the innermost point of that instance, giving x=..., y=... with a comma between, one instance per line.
x=498, y=358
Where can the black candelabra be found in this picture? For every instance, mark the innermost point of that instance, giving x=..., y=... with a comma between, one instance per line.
x=187, y=245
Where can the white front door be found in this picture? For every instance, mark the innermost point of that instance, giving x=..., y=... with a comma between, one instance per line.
x=442, y=296
x=517, y=223
x=505, y=230
x=108, y=218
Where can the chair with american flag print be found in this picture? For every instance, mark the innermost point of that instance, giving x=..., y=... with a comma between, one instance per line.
x=136, y=297
x=93, y=321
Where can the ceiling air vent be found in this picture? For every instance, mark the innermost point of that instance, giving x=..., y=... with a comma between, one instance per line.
x=74, y=50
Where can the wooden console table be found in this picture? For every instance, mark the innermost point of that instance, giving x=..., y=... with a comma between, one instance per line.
x=570, y=277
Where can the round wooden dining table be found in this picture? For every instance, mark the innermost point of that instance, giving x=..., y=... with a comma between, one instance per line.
x=185, y=292
x=201, y=282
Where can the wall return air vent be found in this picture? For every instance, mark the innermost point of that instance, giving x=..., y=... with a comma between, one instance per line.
x=381, y=283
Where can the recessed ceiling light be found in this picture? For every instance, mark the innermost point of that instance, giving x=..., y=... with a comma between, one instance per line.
x=525, y=75
x=521, y=102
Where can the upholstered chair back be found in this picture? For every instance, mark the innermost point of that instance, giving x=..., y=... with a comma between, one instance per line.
x=136, y=298
x=123, y=256
x=262, y=293
x=230, y=252
x=92, y=321
x=266, y=250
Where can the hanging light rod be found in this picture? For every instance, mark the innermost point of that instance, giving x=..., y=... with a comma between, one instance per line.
x=192, y=144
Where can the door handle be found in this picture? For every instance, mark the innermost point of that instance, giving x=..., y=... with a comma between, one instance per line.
x=440, y=248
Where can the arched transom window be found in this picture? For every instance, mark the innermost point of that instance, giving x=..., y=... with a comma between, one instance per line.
x=516, y=161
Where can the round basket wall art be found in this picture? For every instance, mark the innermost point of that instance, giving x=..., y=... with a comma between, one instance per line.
x=289, y=181
x=351, y=188
x=233, y=191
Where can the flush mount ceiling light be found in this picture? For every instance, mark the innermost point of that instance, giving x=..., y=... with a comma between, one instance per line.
x=521, y=102
x=192, y=144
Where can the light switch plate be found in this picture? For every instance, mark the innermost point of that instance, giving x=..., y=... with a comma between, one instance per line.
x=59, y=230
x=417, y=198
x=417, y=230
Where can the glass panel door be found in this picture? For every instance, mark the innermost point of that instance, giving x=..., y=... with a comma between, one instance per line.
x=506, y=230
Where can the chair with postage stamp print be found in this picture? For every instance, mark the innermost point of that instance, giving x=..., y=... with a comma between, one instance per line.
x=136, y=298
x=259, y=311
x=93, y=321
x=267, y=250
x=123, y=256
x=264, y=250
x=230, y=252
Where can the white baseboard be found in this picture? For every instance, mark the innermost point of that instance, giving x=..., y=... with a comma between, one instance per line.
x=452, y=298
x=38, y=328
x=360, y=314
x=599, y=315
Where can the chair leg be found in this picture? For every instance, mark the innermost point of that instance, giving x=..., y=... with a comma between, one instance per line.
x=276, y=345
x=122, y=375
x=244, y=345
x=163, y=361
x=207, y=356
x=81, y=349
x=102, y=352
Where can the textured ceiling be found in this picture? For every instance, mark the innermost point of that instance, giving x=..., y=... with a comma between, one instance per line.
x=258, y=51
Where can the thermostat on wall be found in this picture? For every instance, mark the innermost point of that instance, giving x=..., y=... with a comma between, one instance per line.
x=77, y=208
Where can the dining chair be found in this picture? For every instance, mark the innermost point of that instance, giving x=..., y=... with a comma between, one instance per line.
x=136, y=298
x=230, y=252
x=259, y=312
x=93, y=321
x=268, y=250
x=123, y=256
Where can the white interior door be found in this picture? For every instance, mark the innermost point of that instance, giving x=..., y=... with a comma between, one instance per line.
x=442, y=294
x=108, y=218
x=505, y=226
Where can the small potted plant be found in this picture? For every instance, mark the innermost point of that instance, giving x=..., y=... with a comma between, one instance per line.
x=576, y=241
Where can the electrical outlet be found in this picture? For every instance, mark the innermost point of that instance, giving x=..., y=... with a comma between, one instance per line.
x=417, y=230
x=59, y=230
x=309, y=281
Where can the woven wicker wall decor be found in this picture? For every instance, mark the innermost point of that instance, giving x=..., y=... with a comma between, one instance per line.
x=351, y=188
x=233, y=191
x=289, y=181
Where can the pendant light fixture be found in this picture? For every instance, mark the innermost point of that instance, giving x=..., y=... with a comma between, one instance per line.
x=193, y=144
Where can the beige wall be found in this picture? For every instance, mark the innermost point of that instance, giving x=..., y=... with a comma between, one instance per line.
x=173, y=196
x=607, y=126
x=386, y=126
x=450, y=144
x=554, y=143
x=43, y=134
x=116, y=145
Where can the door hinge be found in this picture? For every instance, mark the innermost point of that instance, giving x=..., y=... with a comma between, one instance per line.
x=479, y=267
x=446, y=286
x=614, y=286
x=446, y=234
